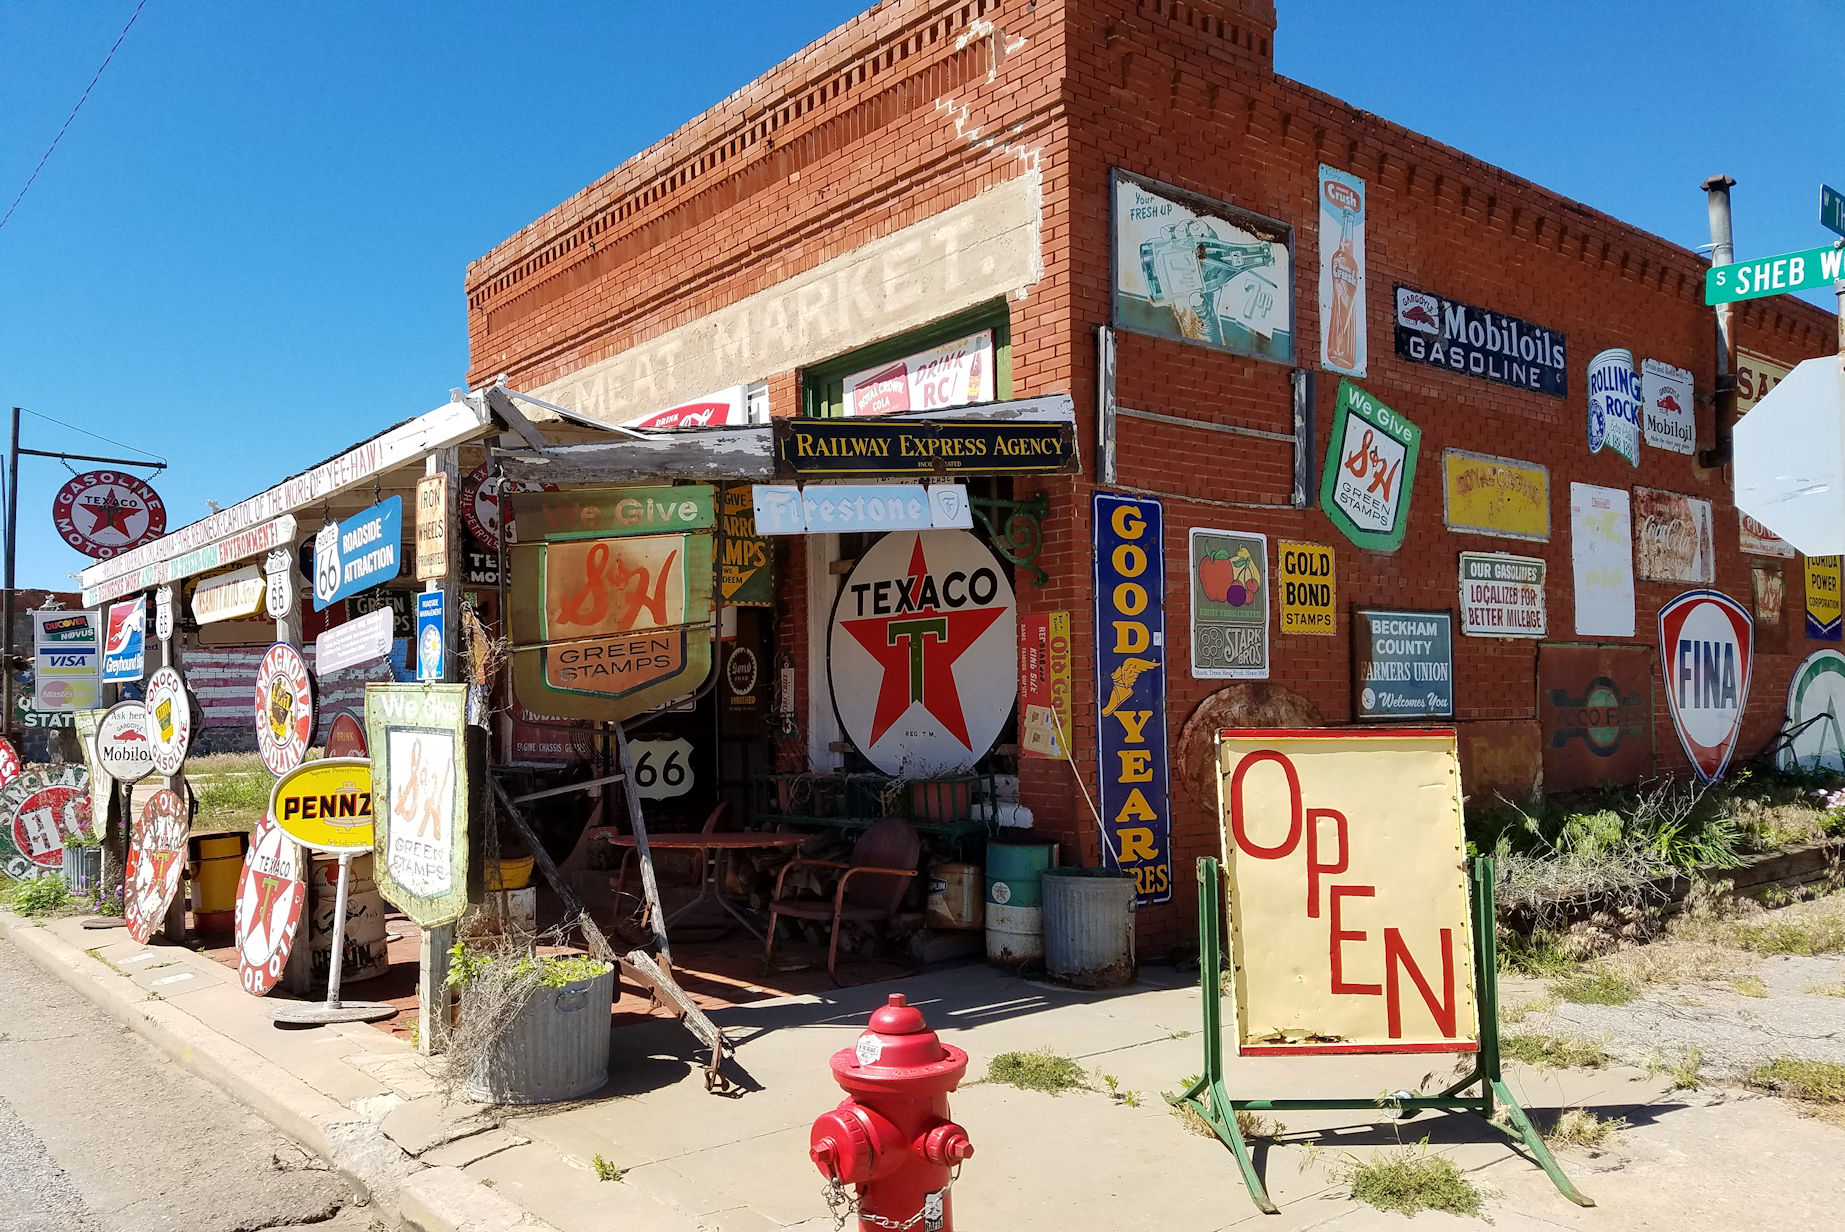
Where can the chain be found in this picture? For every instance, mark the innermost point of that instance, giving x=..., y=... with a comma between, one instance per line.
x=843, y=1207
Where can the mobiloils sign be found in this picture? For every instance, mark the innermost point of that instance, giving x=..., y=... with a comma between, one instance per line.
x=1614, y=403
x=359, y=553
x=1443, y=333
x=1706, y=647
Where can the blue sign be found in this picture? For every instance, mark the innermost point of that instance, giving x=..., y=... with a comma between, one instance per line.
x=359, y=553
x=125, y=643
x=1130, y=676
x=431, y=648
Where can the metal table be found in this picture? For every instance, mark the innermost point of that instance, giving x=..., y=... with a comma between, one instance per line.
x=710, y=877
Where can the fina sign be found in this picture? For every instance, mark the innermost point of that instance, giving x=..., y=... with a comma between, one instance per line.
x=1707, y=648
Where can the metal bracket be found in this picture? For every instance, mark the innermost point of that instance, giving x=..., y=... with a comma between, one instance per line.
x=1020, y=535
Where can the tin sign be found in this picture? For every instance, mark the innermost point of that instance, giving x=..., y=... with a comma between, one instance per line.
x=431, y=644
x=1502, y=596
x=169, y=728
x=163, y=613
x=417, y=734
x=364, y=639
x=9, y=761
x=1370, y=470
x=1815, y=712
x=122, y=748
x=746, y=565
x=66, y=660
x=39, y=809
x=1307, y=589
x=663, y=768
x=346, y=736
x=1707, y=649
x=1045, y=650
x=359, y=553
x=480, y=498
x=284, y=708
x=1403, y=664
x=1350, y=919
x=784, y=509
x=1823, y=599
x=432, y=536
x=1614, y=403
x=1666, y=395
x=326, y=805
x=1342, y=271
x=270, y=896
x=922, y=652
x=1230, y=589
x=1602, y=560
x=1673, y=539
x=1445, y=333
x=726, y=407
x=101, y=513
x=953, y=374
x=1490, y=495
x=1130, y=675
x=230, y=596
x=156, y=858
x=1595, y=714
x=125, y=643
x=1757, y=540
x=279, y=577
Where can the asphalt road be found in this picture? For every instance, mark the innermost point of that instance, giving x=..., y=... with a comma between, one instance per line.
x=100, y=1133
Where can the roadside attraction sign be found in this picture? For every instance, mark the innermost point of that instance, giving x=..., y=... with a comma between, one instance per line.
x=123, y=749
x=326, y=805
x=270, y=896
x=358, y=553
x=1706, y=652
x=284, y=708
x=156, y=858
x=169, y=710
x=1809, y=269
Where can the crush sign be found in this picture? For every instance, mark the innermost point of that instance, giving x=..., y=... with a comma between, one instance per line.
x=1349, y=919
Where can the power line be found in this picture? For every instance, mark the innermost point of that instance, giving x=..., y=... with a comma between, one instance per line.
x=97, y=435
x=73, y=114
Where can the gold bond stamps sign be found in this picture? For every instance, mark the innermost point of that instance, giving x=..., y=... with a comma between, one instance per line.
x=1307, y=589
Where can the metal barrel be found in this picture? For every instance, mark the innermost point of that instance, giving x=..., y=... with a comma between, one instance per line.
x=1015, y=910
x=1089, y=926
x=556, y=1047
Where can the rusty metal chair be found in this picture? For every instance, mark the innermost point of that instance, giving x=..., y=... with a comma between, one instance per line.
x=870, y=886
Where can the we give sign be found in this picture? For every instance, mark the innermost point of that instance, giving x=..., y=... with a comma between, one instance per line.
x=1349, y=909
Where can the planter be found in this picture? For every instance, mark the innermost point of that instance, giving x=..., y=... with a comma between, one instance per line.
x=82, y=869
x=1088, y=926
x=556, y=1048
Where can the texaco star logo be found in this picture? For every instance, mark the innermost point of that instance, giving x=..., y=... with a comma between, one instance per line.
x=102, y=513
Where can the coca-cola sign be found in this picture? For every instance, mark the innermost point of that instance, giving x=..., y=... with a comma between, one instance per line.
x=1444, y=333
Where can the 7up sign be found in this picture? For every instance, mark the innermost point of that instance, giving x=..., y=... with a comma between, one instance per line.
x=1813, y=269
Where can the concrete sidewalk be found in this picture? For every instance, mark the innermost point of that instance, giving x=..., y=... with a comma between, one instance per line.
x=368, y=1103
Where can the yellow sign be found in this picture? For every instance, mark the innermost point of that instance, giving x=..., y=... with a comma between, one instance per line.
x=1755, y=376
x=1349, y=911
x=1307, y=589
x=326, y=804
x=432, y=527
x=1495, y=496
x=1823, y=603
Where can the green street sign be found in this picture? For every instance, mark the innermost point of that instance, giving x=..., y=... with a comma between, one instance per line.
x=1832, y=209
x=1813, y=269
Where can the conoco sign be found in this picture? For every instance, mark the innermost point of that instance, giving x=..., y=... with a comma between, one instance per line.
x=1707, y=648
x=270, y=896
x=101, y=513
x=156, y=857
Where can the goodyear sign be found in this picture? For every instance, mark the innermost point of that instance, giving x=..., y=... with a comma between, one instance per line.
x=1130, y=676
x=327, y=804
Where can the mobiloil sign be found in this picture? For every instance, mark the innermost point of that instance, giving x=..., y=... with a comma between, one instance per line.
x=1444, y=333
x=1130, y=676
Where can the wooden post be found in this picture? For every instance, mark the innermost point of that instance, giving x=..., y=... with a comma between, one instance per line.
x=433, y=996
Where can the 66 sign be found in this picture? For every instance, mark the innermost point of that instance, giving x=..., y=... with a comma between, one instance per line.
x=101, y=513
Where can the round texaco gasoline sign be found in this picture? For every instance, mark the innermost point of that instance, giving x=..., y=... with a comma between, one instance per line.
x=9, y=761
x=284, y=708
x=1706, y=653
x=156, y=857
x=480, y=502
x=923, y=653
x=101, y=513
x=169, y=719
x=269, y=900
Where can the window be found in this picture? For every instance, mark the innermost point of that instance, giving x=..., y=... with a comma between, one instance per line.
x=986, y=330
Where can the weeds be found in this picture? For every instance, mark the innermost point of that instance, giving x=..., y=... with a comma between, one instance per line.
x=1804, y=937
x=1511, y=1015
x=1599, y=986
x=1255, y=1125
x=1826, y=990
x=1541, y=954
x=42, y=895
x=606, y=1171
x=1552, y=1051
x=1042, y=1070
x=1812, y=1082
x=1120, y=1094
x=1685, y=1074
x=1749, y=986
x=1578, y=1127
x=1412, y=1179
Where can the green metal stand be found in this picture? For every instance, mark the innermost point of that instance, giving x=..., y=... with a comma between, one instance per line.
x=1211, y=1099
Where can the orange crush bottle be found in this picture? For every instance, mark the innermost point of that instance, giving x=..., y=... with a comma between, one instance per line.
x=1342, y=322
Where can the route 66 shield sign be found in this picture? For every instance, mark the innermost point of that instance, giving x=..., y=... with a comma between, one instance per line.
x=279, y=598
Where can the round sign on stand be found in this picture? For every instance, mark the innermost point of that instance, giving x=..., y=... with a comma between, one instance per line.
x=346, y=736
x=101, y=513
x=9, y=761
x=39, y=809
x=284, y=708
x=326, y=805
x=480, y=501
x=169, y=720
x=156, y=858
x=270, y=898
x=122, y=745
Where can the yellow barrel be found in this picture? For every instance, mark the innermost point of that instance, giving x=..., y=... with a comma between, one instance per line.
x=218, y=867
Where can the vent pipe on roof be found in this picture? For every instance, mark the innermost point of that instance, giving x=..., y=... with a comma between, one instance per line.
x=1723, y=252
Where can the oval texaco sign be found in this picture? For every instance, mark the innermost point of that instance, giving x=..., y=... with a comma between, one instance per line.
x=169, y=719
x=101, y=513
x=156, y=858
x=270, y=896
x=122, y=746
x=923, y=654
x=284, y=708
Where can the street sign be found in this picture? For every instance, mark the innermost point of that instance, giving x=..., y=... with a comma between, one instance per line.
x=1790, y=458
x=1832, y=209
x=1808, y=270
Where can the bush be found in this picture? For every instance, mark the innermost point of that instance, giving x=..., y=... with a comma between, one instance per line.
x=42, y=895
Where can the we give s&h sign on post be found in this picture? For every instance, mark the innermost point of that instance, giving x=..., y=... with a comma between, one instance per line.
x=1350, y=922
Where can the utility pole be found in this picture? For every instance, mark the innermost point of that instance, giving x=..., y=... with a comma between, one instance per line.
x=1723, y=252
x=12, y=528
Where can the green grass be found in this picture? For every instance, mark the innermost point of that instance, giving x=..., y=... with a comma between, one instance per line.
x=1749, y=986
x=1686, y=1073
x=1409, y=1180
x=1042, y=1070
x=232, y=789
x=1813, y=1082
x=1552, y=1051
x=1806, y=937
x=1826, y=990
x=1596, y=986
x=42, y=895
x=1540, y=955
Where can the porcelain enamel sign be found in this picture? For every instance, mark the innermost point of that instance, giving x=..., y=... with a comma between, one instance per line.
x=101, y=513
x=284, y=708
x=156, y=858
x=1706, y=647
x=169, y=712
x=270, y=896
x=122, y=747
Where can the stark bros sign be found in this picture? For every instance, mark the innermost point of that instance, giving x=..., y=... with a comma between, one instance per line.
x=1707, y=648
x=101, y=513
x=1349, y=915
x=923, y=656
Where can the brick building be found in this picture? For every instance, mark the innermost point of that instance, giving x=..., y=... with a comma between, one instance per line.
x=937, y=170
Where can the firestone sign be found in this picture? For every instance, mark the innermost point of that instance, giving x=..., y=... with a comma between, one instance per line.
x=1706, y=643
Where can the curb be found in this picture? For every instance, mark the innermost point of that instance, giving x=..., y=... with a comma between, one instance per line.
x=425, y=1198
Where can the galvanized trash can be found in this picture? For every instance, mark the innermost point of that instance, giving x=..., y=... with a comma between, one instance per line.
x=83, y=869
x=1088, y=926
x=556, y=1048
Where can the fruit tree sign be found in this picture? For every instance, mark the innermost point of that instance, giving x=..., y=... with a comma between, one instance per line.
x=38, y=810
x=1706, y=650
x=169, y=710
x=284, y=708
x=156, y=857
x=1230, y=593
x=1349, y=912
x=923, y=656
x=101, y=513
x=270, y=896
x=122, y=746
x=326, y=805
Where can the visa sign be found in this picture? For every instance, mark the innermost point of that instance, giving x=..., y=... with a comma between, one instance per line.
x=1707, y=649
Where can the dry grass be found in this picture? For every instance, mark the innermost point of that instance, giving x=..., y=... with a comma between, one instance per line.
x=1578, y=1127
x=1816, y=1087
x=1408, y=1180
x=1596, y=986
x=1749, y=986
x=1552, y=1051
x=1686, y=1071
x=1826, y=990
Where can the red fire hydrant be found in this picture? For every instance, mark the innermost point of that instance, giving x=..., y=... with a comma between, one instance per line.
x=891, y=1136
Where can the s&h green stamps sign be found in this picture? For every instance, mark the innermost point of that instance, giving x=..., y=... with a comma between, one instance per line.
x=1370, y=470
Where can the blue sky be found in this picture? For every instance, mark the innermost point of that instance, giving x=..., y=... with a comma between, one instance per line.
x=247, y=253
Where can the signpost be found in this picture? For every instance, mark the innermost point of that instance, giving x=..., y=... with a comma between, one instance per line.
x=1832, y=209
x=1810, y=269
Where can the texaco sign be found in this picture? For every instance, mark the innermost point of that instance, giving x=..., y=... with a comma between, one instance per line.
x=122, y=746
x=38, y=809
x=284, y=708
x=156, y=858
x=270, y=897
x=169, y=719
x=101, y=513
x=923, y=654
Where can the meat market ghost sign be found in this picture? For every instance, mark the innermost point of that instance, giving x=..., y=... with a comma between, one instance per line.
x=923, y=654
x=1707, y=648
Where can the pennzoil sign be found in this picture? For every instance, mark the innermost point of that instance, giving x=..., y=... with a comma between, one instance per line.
x=326, y=804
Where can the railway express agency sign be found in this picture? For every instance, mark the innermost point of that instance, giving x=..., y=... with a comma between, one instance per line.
x=1706, y=653
x=1349, y=911
x=326, y=805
